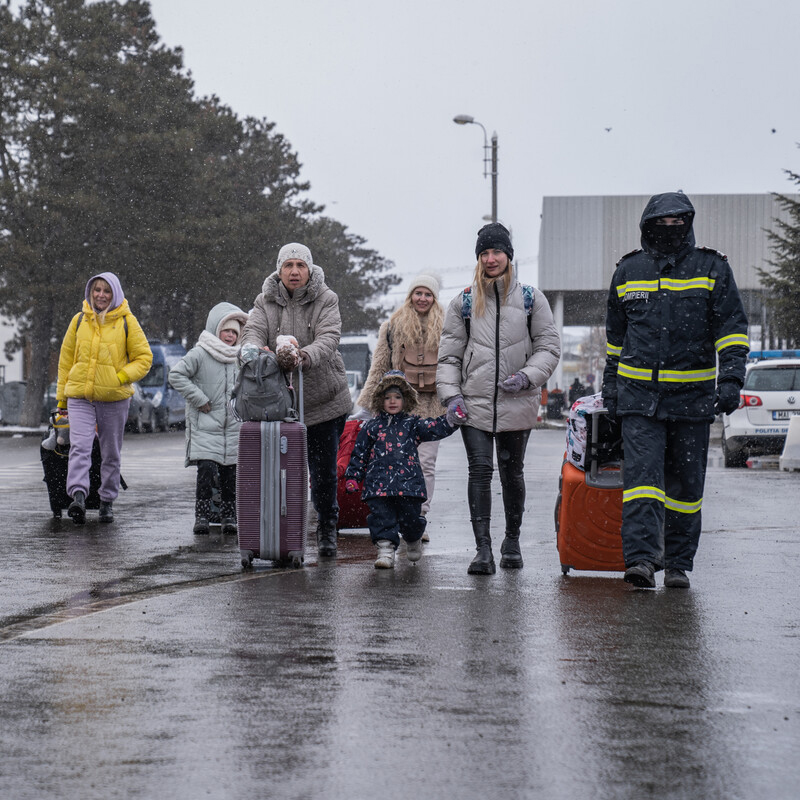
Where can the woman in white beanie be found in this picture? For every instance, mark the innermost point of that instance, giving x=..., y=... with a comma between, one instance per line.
x=409, y=341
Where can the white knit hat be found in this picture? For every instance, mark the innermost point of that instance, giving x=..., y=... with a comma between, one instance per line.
x=295, y=250
x=426, y=281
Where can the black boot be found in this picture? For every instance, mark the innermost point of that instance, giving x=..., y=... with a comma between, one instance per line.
x=227, y=517
x=483, y=563
x=511, y=557
x=106, y=511
x=326, y=539
x=202, y=511
x=77, y=508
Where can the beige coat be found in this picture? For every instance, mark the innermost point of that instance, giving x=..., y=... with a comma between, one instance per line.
x=312, y=316
x=498, y=346
x=383, y=360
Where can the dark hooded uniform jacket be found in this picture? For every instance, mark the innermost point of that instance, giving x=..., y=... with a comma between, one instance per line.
x=670, y=317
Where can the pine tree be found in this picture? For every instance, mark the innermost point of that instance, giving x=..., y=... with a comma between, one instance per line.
x=783, y=281
x=109, y=162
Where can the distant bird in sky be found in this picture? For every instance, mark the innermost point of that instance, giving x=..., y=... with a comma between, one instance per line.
x=773, y=130
x=608, y=129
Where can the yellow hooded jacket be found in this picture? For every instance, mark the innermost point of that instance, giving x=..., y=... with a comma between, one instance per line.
x=100, y=361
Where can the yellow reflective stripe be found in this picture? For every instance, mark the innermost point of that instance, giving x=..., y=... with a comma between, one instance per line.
x=686, y=375
x=637, y=286
x=627, y=371
x=643, y=493
x=667, y=375
x=613, y=350
x=732, y=340
x=684, y=508
x=676, y=285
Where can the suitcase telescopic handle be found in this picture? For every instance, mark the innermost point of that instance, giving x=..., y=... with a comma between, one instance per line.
x=593, y=454
x=300, y=391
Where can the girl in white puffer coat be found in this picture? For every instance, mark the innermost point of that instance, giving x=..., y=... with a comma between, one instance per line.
x=499, y=346
x=205, y=376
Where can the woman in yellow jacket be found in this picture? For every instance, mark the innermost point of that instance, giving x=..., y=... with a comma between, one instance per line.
x=103, y=352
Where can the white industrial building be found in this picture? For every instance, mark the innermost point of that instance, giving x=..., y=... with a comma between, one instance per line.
x=582, y=238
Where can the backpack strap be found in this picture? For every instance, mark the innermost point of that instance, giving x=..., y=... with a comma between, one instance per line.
x=466, y=307
x=527, y=299
x=80, y=319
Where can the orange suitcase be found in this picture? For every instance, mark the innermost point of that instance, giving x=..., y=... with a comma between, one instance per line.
x=588, y=514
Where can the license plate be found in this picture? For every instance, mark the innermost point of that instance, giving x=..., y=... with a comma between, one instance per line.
x=785, y=414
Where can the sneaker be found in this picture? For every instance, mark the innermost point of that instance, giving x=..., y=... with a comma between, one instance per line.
x=425, y=536
x=385, y=559
x=229, y=526
x=641, y=575
x=676, y=579
x=414, y=550
x=201, y=526
x=106, y=511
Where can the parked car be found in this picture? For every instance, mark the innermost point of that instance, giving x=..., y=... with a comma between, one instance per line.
x=769, y=399
x=169, y=405
x=141, y=413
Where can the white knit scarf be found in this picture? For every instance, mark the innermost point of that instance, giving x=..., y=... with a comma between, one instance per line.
x=217, y=349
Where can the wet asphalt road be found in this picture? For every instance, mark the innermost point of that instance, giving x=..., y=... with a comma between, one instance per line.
x=139, y=661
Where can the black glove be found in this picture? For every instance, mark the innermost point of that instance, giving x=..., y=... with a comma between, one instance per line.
x=727, y=399
x=611, y=406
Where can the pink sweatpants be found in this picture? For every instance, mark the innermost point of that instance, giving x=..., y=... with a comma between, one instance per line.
x=109, y=419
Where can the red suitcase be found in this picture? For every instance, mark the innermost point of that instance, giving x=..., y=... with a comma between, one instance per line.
x=588, y=512
x=272, y=490
x=352, y=509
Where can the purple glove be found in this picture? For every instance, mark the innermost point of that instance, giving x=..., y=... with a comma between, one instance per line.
x=351, y=486
x=456, y=411
x=515, y=383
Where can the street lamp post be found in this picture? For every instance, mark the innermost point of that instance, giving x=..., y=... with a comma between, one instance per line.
x=489, y=156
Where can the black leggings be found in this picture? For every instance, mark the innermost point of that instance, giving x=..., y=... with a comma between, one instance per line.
x=510, y=447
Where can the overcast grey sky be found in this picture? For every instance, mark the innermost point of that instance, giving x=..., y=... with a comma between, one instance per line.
x=365, y=91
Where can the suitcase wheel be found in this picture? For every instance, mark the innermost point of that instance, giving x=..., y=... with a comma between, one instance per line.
x=564, y=569
x=297, y=562
x=247, y=558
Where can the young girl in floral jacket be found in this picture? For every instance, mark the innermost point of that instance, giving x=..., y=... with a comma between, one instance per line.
x=385, y=457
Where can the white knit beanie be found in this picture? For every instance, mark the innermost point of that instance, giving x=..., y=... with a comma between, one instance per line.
x=295, y=250
x=426, y=281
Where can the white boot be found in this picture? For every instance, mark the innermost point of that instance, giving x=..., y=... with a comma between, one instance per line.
x=385, y=559
x=414, y=550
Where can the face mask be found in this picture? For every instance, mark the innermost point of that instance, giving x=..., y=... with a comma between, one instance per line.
x=667, y=239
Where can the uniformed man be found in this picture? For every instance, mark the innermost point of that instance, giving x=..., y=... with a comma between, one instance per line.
x=677, y=344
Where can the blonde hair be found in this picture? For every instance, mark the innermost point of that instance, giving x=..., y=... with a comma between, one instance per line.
x=407, y=320
x=100, y=315
x=482, y=283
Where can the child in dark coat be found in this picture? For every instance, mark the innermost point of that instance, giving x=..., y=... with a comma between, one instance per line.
x=385, y=457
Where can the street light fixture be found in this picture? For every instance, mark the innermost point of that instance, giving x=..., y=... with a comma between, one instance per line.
x=489, y=156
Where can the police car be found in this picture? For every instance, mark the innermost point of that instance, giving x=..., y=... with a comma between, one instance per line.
x=769, y=399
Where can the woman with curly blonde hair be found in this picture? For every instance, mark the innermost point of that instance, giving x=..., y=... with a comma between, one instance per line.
x=409, y=342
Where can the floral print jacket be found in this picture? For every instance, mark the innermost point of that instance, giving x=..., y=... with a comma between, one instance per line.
x=385, y=454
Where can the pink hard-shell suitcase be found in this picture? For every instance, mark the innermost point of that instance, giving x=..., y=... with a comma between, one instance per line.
x=272, y=491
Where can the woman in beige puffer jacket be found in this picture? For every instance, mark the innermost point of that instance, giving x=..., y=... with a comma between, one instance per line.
x=295, y=301
x=499, y=346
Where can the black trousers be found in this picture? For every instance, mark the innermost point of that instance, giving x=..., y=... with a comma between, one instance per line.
x=393, y=517
x=323, y=448
x=207, y=472
x=664, y=475
x=510, y=446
